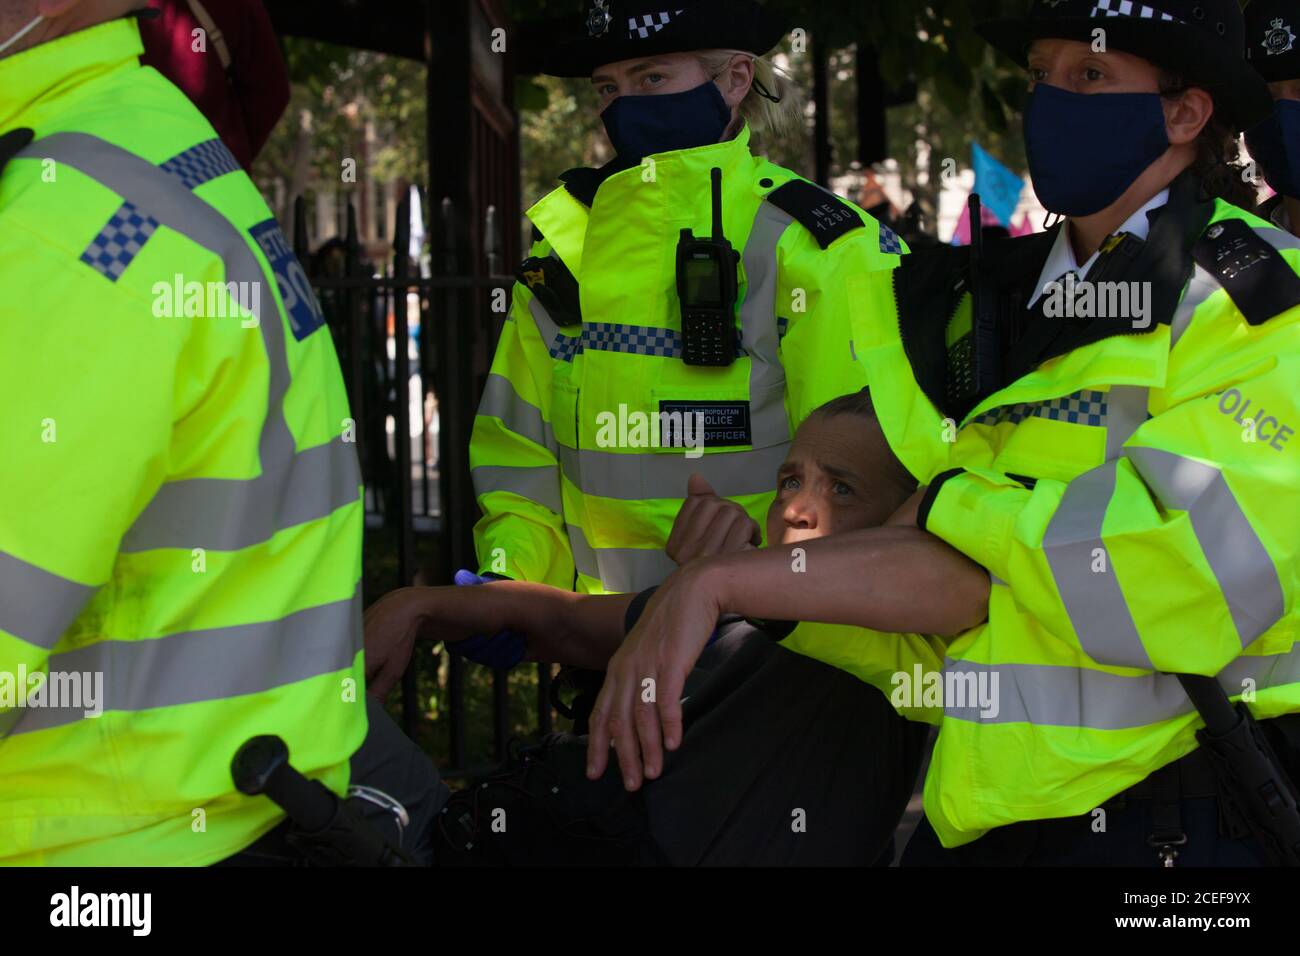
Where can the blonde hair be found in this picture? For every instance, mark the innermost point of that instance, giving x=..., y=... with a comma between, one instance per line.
x=779, y=120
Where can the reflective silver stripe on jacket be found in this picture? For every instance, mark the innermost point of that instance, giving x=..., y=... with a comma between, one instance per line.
x=540, y=485
x=500, y=400
x=1094, y=600
x=189, y=513
x=638, y=477
x=1091, y=594
x=1046, y=695
x=36, y=606
x=194, y=666
x=759, y=332
x=1200, y=287
x=1247, y=578
x=1072, y=544
x=619, y=569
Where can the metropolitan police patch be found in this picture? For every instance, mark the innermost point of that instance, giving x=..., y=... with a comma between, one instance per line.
x=599, y=19
x=1278, y=38
x=724, y=424
x=295, y=291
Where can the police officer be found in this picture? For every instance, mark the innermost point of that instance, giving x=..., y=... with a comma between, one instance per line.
x=630, y=362
x=1105, y=419
x=181, y=538
x=1273, y=49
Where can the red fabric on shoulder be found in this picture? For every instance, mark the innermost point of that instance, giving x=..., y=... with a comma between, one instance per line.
x=244, y=104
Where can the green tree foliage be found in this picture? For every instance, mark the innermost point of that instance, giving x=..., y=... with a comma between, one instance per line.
x=335, y=92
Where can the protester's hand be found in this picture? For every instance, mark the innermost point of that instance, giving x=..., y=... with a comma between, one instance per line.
x=392, y=625
x=454, y=615
x=498, y=626
x=908, y=512
x=708, y=524
x=639, y=707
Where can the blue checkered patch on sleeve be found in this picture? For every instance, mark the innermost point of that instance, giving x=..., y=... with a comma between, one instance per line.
x=198, y=164
x=1084, y=407
x=631, y=339
x=119, y=241
x=889, y=241
x=565, y=347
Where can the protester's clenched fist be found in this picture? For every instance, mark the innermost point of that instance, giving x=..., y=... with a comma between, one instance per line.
x=708, y=524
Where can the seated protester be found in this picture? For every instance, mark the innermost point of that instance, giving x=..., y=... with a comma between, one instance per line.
x=1127, y=472
x=786, y=760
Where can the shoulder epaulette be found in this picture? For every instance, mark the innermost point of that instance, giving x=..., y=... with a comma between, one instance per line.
x=581, y=183
x=12, y=143
x=824, y=214
x=554, y=286
x=1259, y=281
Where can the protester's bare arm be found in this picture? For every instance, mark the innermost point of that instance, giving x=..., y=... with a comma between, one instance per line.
x=589, y=630
x=558, y=626
x=893, y=578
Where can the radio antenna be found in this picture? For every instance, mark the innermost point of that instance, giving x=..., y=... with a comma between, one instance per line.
x=717, y=202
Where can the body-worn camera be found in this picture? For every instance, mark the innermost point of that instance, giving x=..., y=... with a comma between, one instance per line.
x=707, y=290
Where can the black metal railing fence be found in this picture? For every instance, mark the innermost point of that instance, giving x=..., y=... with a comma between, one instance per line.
x=402, y=335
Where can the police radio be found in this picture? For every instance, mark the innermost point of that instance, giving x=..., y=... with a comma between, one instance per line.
x=707, y=290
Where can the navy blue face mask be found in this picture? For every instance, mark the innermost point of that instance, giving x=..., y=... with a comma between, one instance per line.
x=1086, y=149
x=1275, y=145
x=641, y=125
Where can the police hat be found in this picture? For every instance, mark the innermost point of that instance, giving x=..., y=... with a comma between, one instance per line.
x=1272, y=45
x=1200, y=39
x=616, y=30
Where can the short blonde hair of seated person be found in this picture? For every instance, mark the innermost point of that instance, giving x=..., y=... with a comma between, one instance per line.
x=859, y=405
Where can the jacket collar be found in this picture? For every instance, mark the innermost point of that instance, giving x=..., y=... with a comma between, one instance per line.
x=49, y=70
x=1061, y=259
x=729, y=155
x=562, y=215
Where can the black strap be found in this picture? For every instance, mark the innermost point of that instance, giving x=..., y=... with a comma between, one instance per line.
x=634, y=610
x=1167, y=833
x=775, y=630
x=1196, y=779
x=1255, y=787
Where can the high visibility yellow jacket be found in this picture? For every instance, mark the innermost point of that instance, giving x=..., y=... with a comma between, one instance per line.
x=572, y=490
x=1136, y=501
x=180, y=539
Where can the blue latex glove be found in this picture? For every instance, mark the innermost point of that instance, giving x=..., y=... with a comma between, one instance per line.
x=502, y=650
